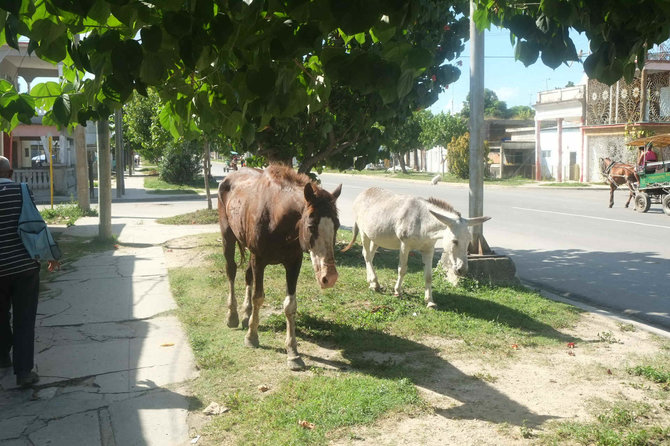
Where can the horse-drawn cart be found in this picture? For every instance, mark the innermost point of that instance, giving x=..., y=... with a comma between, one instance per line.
x=654, y=185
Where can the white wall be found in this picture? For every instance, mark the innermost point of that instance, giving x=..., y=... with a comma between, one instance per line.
x=549, y=146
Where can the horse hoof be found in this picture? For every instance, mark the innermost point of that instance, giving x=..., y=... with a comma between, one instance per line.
x=611, y=205
x=245, y=323
x=251, y=341
x=432, y=305
x=295, y=364
x=375, y=287
x=232, y=320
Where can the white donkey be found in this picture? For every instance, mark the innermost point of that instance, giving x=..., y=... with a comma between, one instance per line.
x=409, y=223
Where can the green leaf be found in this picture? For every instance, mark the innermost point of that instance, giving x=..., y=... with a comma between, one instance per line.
x=152, y=37
x=12, y=6
x=167, y=120
x=62, y=109
x=481, y=18
x=262, y=81
x=152, y=70
x=99, y=11
x=522, y=26
x=526, y=52
x=360, y=38
x=405, y=83
x=248, y=132
x=418, y=58
x=178, y=23
x=383, y=32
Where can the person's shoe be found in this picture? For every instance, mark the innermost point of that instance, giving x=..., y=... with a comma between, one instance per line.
x=5, y=361
x=26, y=380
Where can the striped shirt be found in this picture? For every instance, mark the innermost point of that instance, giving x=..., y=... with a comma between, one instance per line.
x=14, y=258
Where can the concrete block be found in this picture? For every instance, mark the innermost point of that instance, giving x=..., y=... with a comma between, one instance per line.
x=493, y=269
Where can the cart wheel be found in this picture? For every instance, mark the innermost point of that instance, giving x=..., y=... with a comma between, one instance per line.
x=642, y=202
x=666, y=204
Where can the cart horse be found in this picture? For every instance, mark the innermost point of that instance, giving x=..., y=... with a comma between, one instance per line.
x=616, y=174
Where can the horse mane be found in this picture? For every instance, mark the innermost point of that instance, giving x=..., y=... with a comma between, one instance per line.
x=286, y=176
x=443, y=205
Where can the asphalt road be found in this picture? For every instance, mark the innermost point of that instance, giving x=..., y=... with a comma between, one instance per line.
x=564, y=240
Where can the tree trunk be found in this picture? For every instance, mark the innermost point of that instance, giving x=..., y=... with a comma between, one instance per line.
x=416, y=160
x=207, y=169
x=401, y=159
x=104, y=181
x=82, y=168
x=120, y=162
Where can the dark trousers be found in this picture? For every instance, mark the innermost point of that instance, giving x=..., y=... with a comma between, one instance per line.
x=19, y=292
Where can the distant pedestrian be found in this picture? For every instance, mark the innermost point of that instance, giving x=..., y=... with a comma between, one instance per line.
x=19, y=285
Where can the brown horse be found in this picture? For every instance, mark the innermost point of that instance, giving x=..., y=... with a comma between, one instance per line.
x=617, y=174
x=277, y=214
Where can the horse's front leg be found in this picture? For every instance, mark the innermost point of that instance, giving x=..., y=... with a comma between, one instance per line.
x=232, y=319
x=427, y=257
x=612, y=194
x=632, y=192
x=248, y=295
x=258, y=269
x=402, y=267
x=293, y=360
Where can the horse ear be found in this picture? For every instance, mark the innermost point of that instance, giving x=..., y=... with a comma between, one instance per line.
x=444, y=219
x=476, y=220
x=309, y=192
x=337, y=191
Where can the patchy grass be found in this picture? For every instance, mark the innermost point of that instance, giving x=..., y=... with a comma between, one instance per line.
x=622, y=423
x=655, y=369
x=155, y=185
x=74, y=248
x=66, y=214
x=367, y=350
x=199, y=217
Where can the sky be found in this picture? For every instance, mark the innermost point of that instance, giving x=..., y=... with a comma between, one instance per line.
x=509, y=78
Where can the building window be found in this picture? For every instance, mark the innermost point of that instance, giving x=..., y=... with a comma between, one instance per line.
x=546, y=154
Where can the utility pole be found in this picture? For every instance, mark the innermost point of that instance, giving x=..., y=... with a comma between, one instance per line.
x=479, y=245
x=120, y=162
x=82, y=168
x=104, y=181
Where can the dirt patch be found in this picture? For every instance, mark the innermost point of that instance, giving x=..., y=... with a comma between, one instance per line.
x=513, y=399
x=184, y=251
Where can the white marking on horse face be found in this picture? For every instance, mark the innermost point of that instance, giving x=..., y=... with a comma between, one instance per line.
x=322, y=254
x=455, y=243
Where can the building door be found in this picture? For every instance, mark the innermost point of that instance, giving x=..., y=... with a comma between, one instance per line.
x=574, y=167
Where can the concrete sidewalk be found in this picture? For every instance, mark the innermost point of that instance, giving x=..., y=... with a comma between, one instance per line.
x=134, y=192
x=111, y=356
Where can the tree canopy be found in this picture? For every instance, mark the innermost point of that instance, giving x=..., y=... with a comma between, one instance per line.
x=495, y=108
x=267, y=71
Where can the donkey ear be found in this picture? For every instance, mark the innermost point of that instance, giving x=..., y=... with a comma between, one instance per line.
x=337, y=191
x=309, y=193
x=444, y=219
x=476, y=220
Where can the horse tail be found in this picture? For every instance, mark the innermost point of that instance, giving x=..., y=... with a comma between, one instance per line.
x=243, y=251
x=351, y=243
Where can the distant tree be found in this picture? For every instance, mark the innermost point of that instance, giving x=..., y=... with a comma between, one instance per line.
x=401, y=137
x=521, y=112
x=439, y=130
x=142, y=127
x=493, y=107
x=569, y=84
x=458, y=155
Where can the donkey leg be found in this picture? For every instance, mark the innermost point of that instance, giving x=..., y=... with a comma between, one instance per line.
x=232, y=319
x=369, y=250
x=251, y=339
x=293, y=360
x=402, y=268
x=427, y=257
x=248, y=293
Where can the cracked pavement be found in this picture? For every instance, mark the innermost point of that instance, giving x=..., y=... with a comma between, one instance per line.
x=113, y=359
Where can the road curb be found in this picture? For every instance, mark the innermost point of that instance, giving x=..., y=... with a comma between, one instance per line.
x=595, y=310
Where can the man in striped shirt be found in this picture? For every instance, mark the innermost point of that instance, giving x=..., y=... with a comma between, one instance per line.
x=19, y=284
